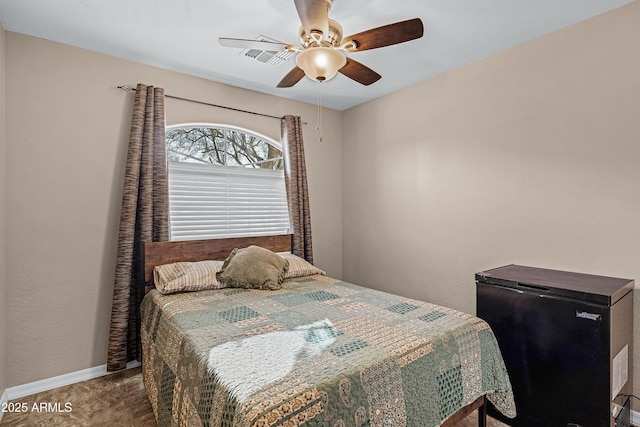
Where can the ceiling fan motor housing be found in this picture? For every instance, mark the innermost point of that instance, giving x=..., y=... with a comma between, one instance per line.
x=317, y=38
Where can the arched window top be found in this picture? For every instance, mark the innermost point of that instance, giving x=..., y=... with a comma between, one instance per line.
x=222, y=145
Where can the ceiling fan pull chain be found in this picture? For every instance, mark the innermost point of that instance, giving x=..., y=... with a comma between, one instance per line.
x=319, y=118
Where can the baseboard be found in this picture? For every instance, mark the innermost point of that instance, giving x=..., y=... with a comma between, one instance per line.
x=50, y=383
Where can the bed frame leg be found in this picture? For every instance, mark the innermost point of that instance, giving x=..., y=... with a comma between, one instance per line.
x=482, y=414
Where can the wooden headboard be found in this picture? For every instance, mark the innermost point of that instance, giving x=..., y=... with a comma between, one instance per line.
x=159, y=253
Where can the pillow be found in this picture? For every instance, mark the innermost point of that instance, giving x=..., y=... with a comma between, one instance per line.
x=299, y=267
x=253, y=267
x=187, y=276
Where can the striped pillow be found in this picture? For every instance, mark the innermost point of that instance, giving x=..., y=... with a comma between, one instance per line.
x=187, y=276
x=299, y=267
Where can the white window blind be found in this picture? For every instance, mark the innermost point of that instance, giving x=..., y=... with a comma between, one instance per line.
x=209, y=201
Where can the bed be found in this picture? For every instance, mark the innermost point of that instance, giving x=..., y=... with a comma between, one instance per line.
x=318, y=351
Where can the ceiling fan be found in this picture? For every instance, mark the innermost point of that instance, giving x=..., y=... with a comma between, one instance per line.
x=322, y=52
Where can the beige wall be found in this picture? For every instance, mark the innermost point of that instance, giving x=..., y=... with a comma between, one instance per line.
x=529, y=156
x=3, y=143
x=67, y=130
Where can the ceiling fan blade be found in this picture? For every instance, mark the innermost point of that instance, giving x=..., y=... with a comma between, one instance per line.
x=255, y=44
x=386, y=35
x=359, y=72
x=293, y=77
x=314, y=15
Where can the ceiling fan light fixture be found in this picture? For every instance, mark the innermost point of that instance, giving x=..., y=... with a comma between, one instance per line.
x=321, y=63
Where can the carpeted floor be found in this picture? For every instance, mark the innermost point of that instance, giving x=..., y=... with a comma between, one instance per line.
x=115, y=400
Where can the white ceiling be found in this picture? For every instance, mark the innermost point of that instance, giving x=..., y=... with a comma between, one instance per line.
x=182, y=35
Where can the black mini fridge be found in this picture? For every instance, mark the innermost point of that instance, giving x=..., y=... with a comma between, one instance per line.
x=566, y=339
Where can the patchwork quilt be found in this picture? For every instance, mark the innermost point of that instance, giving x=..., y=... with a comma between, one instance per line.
x=320, y=352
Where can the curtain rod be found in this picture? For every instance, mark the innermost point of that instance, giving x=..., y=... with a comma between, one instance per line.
x=128, y=88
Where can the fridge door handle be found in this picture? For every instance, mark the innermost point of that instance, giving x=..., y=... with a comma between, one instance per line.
x=536, y=288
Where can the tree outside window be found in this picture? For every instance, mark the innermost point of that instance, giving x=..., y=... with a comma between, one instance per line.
x=222, y=146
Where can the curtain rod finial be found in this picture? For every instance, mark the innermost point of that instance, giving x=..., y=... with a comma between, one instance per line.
x=126, y=88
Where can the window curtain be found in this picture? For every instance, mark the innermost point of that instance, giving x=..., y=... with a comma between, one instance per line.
x=296, y=185
x=144, y=216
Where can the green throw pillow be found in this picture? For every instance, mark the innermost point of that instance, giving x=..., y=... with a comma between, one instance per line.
x=253, y=267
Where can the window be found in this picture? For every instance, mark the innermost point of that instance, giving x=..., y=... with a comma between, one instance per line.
x=224, y=182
